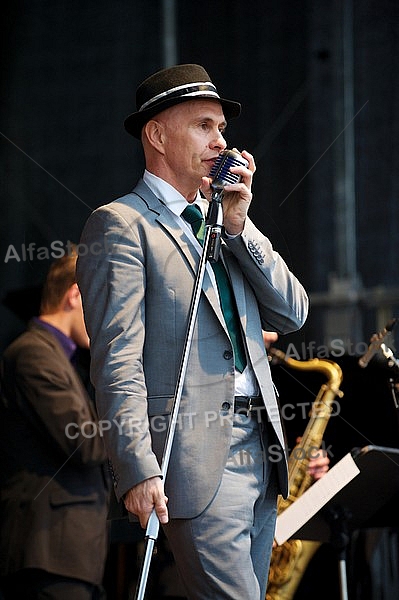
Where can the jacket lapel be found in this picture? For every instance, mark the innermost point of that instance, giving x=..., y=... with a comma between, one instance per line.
x=168, y=222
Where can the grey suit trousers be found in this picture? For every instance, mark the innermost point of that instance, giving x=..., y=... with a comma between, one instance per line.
x=224, y=553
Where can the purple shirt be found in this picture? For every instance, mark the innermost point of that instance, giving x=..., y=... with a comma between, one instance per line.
x=66, y=342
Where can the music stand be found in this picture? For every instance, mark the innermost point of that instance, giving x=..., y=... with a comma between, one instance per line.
x=353, y=506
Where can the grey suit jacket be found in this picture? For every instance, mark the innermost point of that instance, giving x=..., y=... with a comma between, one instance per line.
x=136, y=271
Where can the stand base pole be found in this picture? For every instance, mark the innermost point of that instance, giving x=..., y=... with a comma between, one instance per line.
x=343, y=583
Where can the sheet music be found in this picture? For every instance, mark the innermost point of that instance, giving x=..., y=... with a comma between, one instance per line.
x=305, y=507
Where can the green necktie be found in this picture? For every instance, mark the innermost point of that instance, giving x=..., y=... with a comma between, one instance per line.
x=192, y=214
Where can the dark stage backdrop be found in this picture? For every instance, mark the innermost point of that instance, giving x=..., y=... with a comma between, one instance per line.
x=69, y=73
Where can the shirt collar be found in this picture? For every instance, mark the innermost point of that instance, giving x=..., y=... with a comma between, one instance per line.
x=68, y=345
x=169, y=195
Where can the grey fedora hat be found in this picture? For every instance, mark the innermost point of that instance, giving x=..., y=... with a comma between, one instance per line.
x=172, y=86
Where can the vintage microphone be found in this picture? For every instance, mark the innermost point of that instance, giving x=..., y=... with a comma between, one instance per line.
x=221, y=177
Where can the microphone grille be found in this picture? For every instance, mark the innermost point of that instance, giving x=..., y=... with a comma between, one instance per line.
x=220, y=171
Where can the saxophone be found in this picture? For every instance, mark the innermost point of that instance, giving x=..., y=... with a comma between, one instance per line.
x=289, y=560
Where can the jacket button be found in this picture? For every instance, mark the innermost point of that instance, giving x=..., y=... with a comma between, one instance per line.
x=228, y=354
x=226, y=406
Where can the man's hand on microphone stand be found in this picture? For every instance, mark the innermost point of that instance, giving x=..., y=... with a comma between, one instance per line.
x=141, y=499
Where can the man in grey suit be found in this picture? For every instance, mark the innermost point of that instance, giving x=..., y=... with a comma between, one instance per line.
x=218, y=502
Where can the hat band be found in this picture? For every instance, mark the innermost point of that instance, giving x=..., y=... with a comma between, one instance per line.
x=191, y=89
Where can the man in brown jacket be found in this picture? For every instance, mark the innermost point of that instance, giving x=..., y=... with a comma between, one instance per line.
x=53, y=492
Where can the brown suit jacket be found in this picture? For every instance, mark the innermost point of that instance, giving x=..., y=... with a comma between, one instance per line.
x=53, y=492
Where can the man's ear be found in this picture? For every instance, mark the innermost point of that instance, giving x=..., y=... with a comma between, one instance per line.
x=72, y=296
x=155, y=134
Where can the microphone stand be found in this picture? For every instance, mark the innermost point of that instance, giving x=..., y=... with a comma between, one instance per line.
x=210, y=251
x=214, y=221
x=375, y=343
